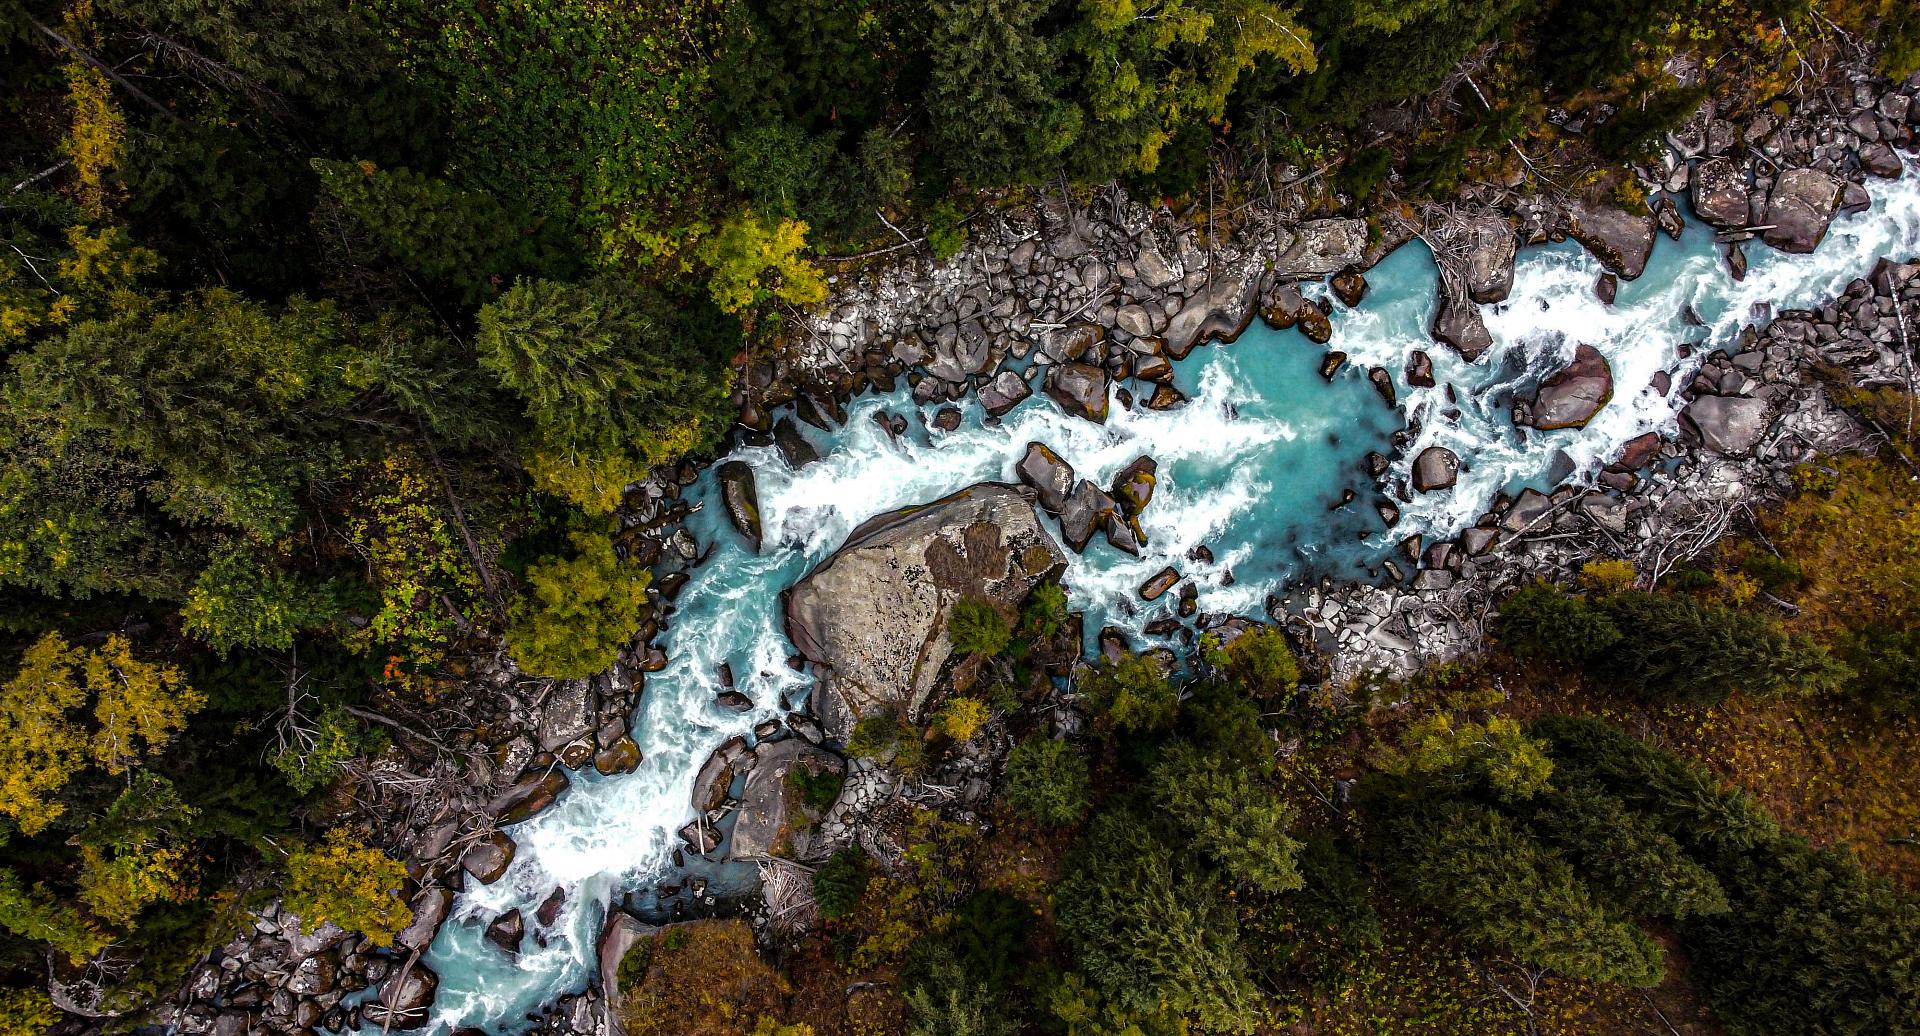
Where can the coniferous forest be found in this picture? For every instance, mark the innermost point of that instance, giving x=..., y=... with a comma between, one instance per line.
x=365, y=360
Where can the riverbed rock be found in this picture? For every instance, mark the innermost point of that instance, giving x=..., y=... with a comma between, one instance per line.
x=506, y=931
x=1314, y=324
x=489, y=858
x=1330, y=364
x=1881, y=161
x=528, y=795
x=1570, y=398
x=872, y=617
x=1006, y=391
x=1436, y=468
x=1321, y=247
x=1050, y=477
x=1133, y=485
x=1383, y=384
x=1457, y=323
x=794, y=447
x=775, y=819
x=1606, y=288
x=1420, y=369
x=1800, y=209
x=1726, y=424
x=1080, y=389
x=1491, y=244
x=621, y=933
x=430, y=906
x=1349, y=286
x=1219, y=311
x=1621, y=241
x=1720, y=193
x=1159, y=583
x=1086, y=512
x=621, y=755
x=404, y=998
x=741, y=498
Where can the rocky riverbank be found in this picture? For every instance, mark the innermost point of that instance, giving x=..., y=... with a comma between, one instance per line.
x=1103, y=297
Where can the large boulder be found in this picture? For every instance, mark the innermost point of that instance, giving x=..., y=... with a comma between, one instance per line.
x=528, y=795
x=873, y=617
x=1726, y=424
x=1491, y=244
x=1570, y=398
x=1220, y=310
x=1006, y=391
x=1800, y=209
x=1720, y=193
x=1321, y=247
x=741, y=497
x=404, y=998
x=1050, y=477
x=1436, y=468
x=1622, y=242
x=1457, y=324
x=774, y=817
x=1080, y=389
x=489, y=858
x=1086, y=513
x=1133, y=485
x=430, y=906
x=618, y=937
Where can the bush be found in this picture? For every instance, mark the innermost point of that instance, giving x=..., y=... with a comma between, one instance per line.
x=1682, y=648
x=1608, y=577
x=1260, y=661
x=1047, y=780
x=976, y=627
x=579, y=611
x=872, y=736
x=962, y=717
x=1132, y=693
x=839, y=882
x=1543, y=622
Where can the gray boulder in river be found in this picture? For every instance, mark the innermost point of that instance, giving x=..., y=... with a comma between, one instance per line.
x=1570, y=398
x=1800, y=209
x=873, y=617
x=742, y=499
x=1621, y=241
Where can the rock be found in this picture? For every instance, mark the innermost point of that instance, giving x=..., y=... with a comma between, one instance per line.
x=404, y=998
x=1720, y=193
x=1330, y=364
x=528, y=795
x=1314, y=324
x=1152, y=269
x=872, y=617
x=568, y=715
x=1606, y=288
x=1491, y=244
x=1134, y=320
x=1349, y=286
x=1377, y=464
x=1436, y=468
x=1133, y=485
x=1478, y=541
x=700, y=838
x=1800, y=209
x=489, y=858
x=1526, y=510
x=620, y=756
x=733, y=701
x=1621, y=242
x=1283, y=307
x=774, y=819
x=1726, y=424
x=506, y=932
x=1457, y=324
x=1383, y=384
x=1165, y=397
x=1006, y=391
x=1050, y=477
x=742, y=500
x=1667, y=215
x=1881, y=161
x=1570, y=398
x=716, y=775
x=618, y=937
x=430, y=906
x=1065, y=344
x=1420, y=369
x=1080, y=389
x=1220, y=311
x=794, y=447
x=1321, y=247
x=1737, y=260
x=1159, y=584
x=549, y=911
x=945, y=419
x=1086, y=513
x=1638, y=451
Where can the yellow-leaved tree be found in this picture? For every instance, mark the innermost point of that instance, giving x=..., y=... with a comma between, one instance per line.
x=755, y=259
x=347, y=882
x=139, y=707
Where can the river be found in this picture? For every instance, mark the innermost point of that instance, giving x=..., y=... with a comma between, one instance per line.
x=1253, y=467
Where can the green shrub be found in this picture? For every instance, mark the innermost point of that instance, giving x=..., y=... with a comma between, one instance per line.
x=839, y=882
x=1543, y=622
x=1132, y=693
x=976, y=627
x=1262, y=663
x=1047, y=780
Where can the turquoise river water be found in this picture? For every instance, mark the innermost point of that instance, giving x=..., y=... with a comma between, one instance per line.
x=1252, y=467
